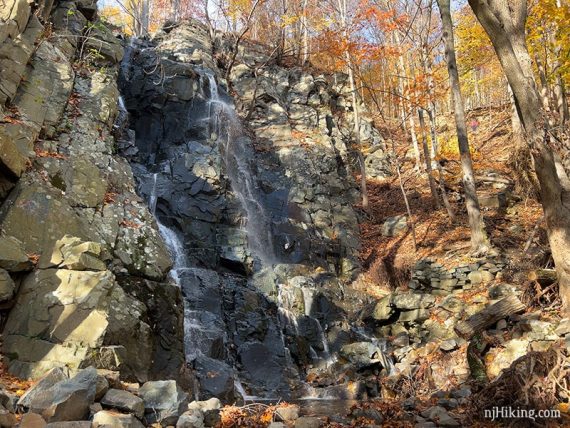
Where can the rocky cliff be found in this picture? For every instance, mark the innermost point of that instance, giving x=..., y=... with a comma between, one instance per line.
x=83, y=264
x=242, y=189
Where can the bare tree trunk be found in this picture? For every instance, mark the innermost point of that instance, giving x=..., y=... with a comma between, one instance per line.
x=355, y=109
x=479, y=239
x=544, y=89
x=553, y=194
x=415, y=145
x=428, y=160
x=305, y=30
x=560, y=93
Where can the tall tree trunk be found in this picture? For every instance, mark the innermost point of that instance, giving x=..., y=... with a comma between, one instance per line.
x=305, y=30
x=355, y=107
x=429, y=171
x=560, y=92
x=479, y=239
x=494, y=16
x=415, y=145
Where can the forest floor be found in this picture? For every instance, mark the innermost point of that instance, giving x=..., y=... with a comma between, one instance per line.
x=388, y=260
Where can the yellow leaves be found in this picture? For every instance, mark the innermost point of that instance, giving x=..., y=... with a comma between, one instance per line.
x=287, y=20
x=449, y=149
x=548, y=36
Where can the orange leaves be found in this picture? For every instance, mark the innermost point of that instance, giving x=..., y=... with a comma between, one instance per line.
x=249, y=416
x=46, y=154
x=129, y=224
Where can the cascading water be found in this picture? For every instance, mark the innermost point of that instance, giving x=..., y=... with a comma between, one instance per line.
x=387, y=361
x=185, y=150
x=226, y=128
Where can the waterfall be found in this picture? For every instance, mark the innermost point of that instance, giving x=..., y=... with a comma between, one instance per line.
x=227, y=129
x=153, y=197
x=381, y=344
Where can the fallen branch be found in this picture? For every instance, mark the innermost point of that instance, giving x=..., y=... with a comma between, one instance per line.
x=478, y=322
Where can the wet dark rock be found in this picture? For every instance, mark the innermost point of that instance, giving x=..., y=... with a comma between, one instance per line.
x=221, y=385
x=124, y=401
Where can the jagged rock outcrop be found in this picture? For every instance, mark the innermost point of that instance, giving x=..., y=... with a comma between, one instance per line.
x=70, y=209
x=254, y=195
x=263, y=178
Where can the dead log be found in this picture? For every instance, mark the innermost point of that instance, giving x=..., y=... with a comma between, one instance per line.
x=478, y=322
x=544, y=277
x=491, y=179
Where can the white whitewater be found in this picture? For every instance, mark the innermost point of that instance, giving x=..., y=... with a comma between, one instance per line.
x=227, y=129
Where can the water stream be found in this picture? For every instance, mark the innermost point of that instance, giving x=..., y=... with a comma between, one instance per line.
x=204, y=330
x=226, y=128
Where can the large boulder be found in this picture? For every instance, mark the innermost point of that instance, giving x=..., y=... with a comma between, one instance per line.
x=72, y=318
x=47, y=381
x=124, y=401
x=363, y=354
x=111, y=419
x=67, y=400
x=164, y=401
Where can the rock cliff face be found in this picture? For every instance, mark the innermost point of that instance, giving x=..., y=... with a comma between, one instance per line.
x=255, y=196
x=246, y=199
x=85, y=260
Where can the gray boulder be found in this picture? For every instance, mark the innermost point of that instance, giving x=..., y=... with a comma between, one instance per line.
x=362, y=354
x=383, y=309
x=74, y=318
x=108, y=419
x=164, y=401
x=411, y=300
x=123, y=400
x=191, y=419
x=67, y=400
x=439, y=415
x=51, y=378
x=394, y=226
